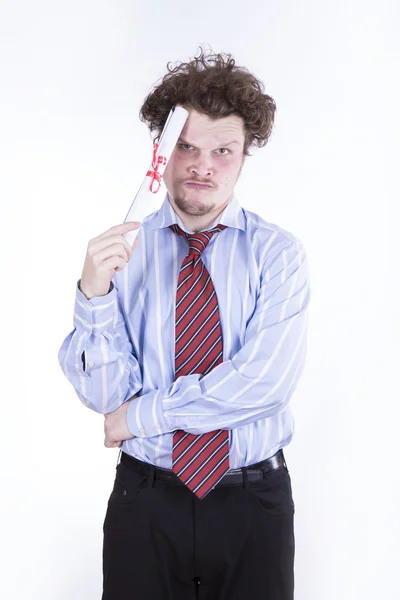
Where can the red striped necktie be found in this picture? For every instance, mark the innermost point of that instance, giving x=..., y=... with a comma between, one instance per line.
x=200, y=461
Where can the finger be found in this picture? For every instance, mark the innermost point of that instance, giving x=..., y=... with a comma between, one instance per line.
x=109, y=444
x=114, y=250
x=95, y=247
x=115, y=262
x=118, y=229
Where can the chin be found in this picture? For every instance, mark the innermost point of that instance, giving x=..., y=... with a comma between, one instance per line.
x=193, y=208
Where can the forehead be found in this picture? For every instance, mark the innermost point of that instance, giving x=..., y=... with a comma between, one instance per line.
x=201, y=128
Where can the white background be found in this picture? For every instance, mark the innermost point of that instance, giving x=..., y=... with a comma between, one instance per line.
x=73, y=153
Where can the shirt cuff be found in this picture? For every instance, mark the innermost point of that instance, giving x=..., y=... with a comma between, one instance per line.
x=97, y=314
x=145, y=416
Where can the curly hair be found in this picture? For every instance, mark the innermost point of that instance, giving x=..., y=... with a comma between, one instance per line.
x=213, y=85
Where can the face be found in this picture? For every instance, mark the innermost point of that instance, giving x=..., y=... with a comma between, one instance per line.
x=205, y=165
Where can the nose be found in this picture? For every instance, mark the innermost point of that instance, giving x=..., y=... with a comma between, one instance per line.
x=202, y=167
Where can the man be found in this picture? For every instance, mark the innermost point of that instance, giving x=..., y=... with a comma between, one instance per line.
x=192, y=346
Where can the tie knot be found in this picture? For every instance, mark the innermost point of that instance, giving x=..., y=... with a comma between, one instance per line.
x=197, y=241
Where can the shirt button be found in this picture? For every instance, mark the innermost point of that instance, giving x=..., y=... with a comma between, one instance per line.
x=85, y=322
x=90, y=363
x=141, y=430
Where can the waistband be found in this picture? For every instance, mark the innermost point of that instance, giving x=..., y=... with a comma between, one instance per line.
x=251, y=473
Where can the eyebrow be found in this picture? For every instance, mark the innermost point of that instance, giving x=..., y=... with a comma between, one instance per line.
x=222, y=145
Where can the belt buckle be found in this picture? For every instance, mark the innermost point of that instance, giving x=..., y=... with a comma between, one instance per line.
x=234, y=471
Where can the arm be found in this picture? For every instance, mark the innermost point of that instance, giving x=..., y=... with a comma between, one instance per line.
x=259, y=380
x=97, y=356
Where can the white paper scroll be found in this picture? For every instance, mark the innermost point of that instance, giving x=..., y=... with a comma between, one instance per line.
x=147, y=200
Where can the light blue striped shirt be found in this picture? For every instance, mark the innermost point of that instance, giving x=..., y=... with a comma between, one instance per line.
x=123, y=343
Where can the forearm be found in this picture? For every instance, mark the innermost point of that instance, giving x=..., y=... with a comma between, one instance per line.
x=258, y=381
x=226, y=398
x=97, y=356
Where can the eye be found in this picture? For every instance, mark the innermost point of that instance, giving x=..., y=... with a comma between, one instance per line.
x=224, y=152
x=185, y=146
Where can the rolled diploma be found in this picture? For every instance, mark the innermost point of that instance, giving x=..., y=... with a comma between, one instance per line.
x=146, y=201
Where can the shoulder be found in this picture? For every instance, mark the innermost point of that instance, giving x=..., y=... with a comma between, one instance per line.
x=265, y=230
x=269, y=240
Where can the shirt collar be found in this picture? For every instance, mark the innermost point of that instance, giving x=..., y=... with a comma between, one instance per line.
x=232, y=216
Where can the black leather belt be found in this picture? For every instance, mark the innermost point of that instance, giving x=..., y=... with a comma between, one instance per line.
x=233, y=477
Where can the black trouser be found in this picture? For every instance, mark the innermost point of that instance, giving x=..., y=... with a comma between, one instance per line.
x=163, y=543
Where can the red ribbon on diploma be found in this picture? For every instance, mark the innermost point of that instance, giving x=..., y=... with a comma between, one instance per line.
x=154, y=173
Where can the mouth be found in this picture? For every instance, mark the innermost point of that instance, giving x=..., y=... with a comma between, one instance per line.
x=198, y=186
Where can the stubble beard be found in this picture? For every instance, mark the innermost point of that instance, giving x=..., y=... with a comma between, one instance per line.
x=197, y=208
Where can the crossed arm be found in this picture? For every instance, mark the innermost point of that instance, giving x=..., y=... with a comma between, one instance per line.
x=256, y=383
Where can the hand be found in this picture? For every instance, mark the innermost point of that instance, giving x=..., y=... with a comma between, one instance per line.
x=106, y=253
x=116, y=427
